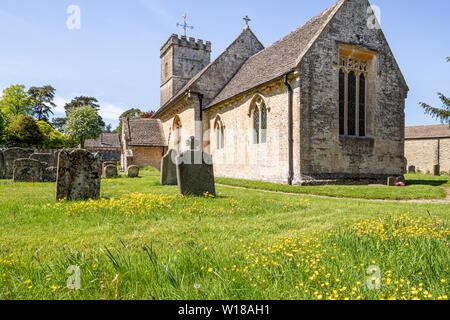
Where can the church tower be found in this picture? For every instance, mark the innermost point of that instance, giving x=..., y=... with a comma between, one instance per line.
x=181, y=60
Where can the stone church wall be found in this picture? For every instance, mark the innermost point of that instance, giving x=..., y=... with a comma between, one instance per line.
x=325, y=155
x=423, y=154
x=240, y=157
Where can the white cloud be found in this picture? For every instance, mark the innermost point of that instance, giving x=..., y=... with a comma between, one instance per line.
x=156, y=9
x=108, y=111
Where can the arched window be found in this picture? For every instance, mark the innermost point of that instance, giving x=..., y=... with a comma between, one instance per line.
x=177, y=133
x=220, y=139
x=263, y=123
x=259, y=113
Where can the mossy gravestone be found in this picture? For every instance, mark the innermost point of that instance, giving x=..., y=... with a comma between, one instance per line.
x=195, y=174
x=78, y=175
x=133, y=171
x=169, y=169
x=28, y=170
x=111, y=171
x=9, y=156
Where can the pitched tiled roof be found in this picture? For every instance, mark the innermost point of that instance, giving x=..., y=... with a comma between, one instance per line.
x=105, y=140
x=424, y=132
x=144, y=132
x=278, y=59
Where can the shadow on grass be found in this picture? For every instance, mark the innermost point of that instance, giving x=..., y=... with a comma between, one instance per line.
x=434, y=183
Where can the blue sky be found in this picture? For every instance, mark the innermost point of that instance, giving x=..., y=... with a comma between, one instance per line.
x=115, y=55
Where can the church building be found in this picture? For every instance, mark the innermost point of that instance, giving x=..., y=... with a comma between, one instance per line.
x=323, y=105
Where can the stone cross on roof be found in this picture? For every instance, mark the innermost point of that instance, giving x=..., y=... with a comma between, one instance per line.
x=247, y=20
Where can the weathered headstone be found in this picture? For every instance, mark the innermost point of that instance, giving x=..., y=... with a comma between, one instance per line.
x=437, y=170
x=169, y=169
x=28, y=170
x=110, y=171
x=108, y=163
x=2, y=165
x=195, y=173
x=49, y=174
x=412, y=169
x=391, y=182
x=78, y=175
x=47, y=158
x=133, y=171
x=9, y=156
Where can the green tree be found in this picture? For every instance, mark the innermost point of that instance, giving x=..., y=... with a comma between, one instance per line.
x=131, y=113
x=42, y=102
x=82, y=123
x=2, y=128
x=53, y=139
x=82, y=101
x=59, y=123
x=15, y=101
x=23, y=132
x=440, y=113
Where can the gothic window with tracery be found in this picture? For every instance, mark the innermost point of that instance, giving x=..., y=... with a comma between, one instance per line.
x=352, y=93
x=259, y=122
x=220, y=139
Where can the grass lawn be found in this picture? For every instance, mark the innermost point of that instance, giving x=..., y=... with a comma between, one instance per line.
x=418, y=187
x=142, y=241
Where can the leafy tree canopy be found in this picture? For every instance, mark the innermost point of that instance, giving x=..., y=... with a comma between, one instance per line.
x=82, y=123
x=15, y=101
x=53, y=139
x=82, y=101
x=42, y=104
x=23, y=132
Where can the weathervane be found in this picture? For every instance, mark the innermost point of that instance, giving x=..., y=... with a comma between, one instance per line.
x=247, y=20
x=184, y=25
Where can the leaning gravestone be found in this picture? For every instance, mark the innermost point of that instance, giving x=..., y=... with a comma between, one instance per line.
x=28, y=170
x=78, y=175
x=9, y=156
x=169, y=169
x=412, y=169
x=133, y=171
x=195, y=173
x=110, y=171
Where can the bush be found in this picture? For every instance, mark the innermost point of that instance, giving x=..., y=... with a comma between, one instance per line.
x=24, y=132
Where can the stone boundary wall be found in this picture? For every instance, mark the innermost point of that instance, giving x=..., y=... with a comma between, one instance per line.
x=423, y=154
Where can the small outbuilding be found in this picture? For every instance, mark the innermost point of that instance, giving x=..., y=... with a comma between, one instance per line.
x=143, y=143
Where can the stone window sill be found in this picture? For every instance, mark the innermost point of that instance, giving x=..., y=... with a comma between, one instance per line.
x=356, y=138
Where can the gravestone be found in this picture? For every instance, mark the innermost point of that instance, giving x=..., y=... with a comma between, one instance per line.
x=195, y=172
x=49, y=174
x=108, y=163
x=169, y=169
x=392, y=181
x=133, y=171
x=78, y=175
x=437, y=170
x=28, y=170
x=2, y=165
x=110, y=171
x=9, y=156
x=47, y=158
x=412, y=169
